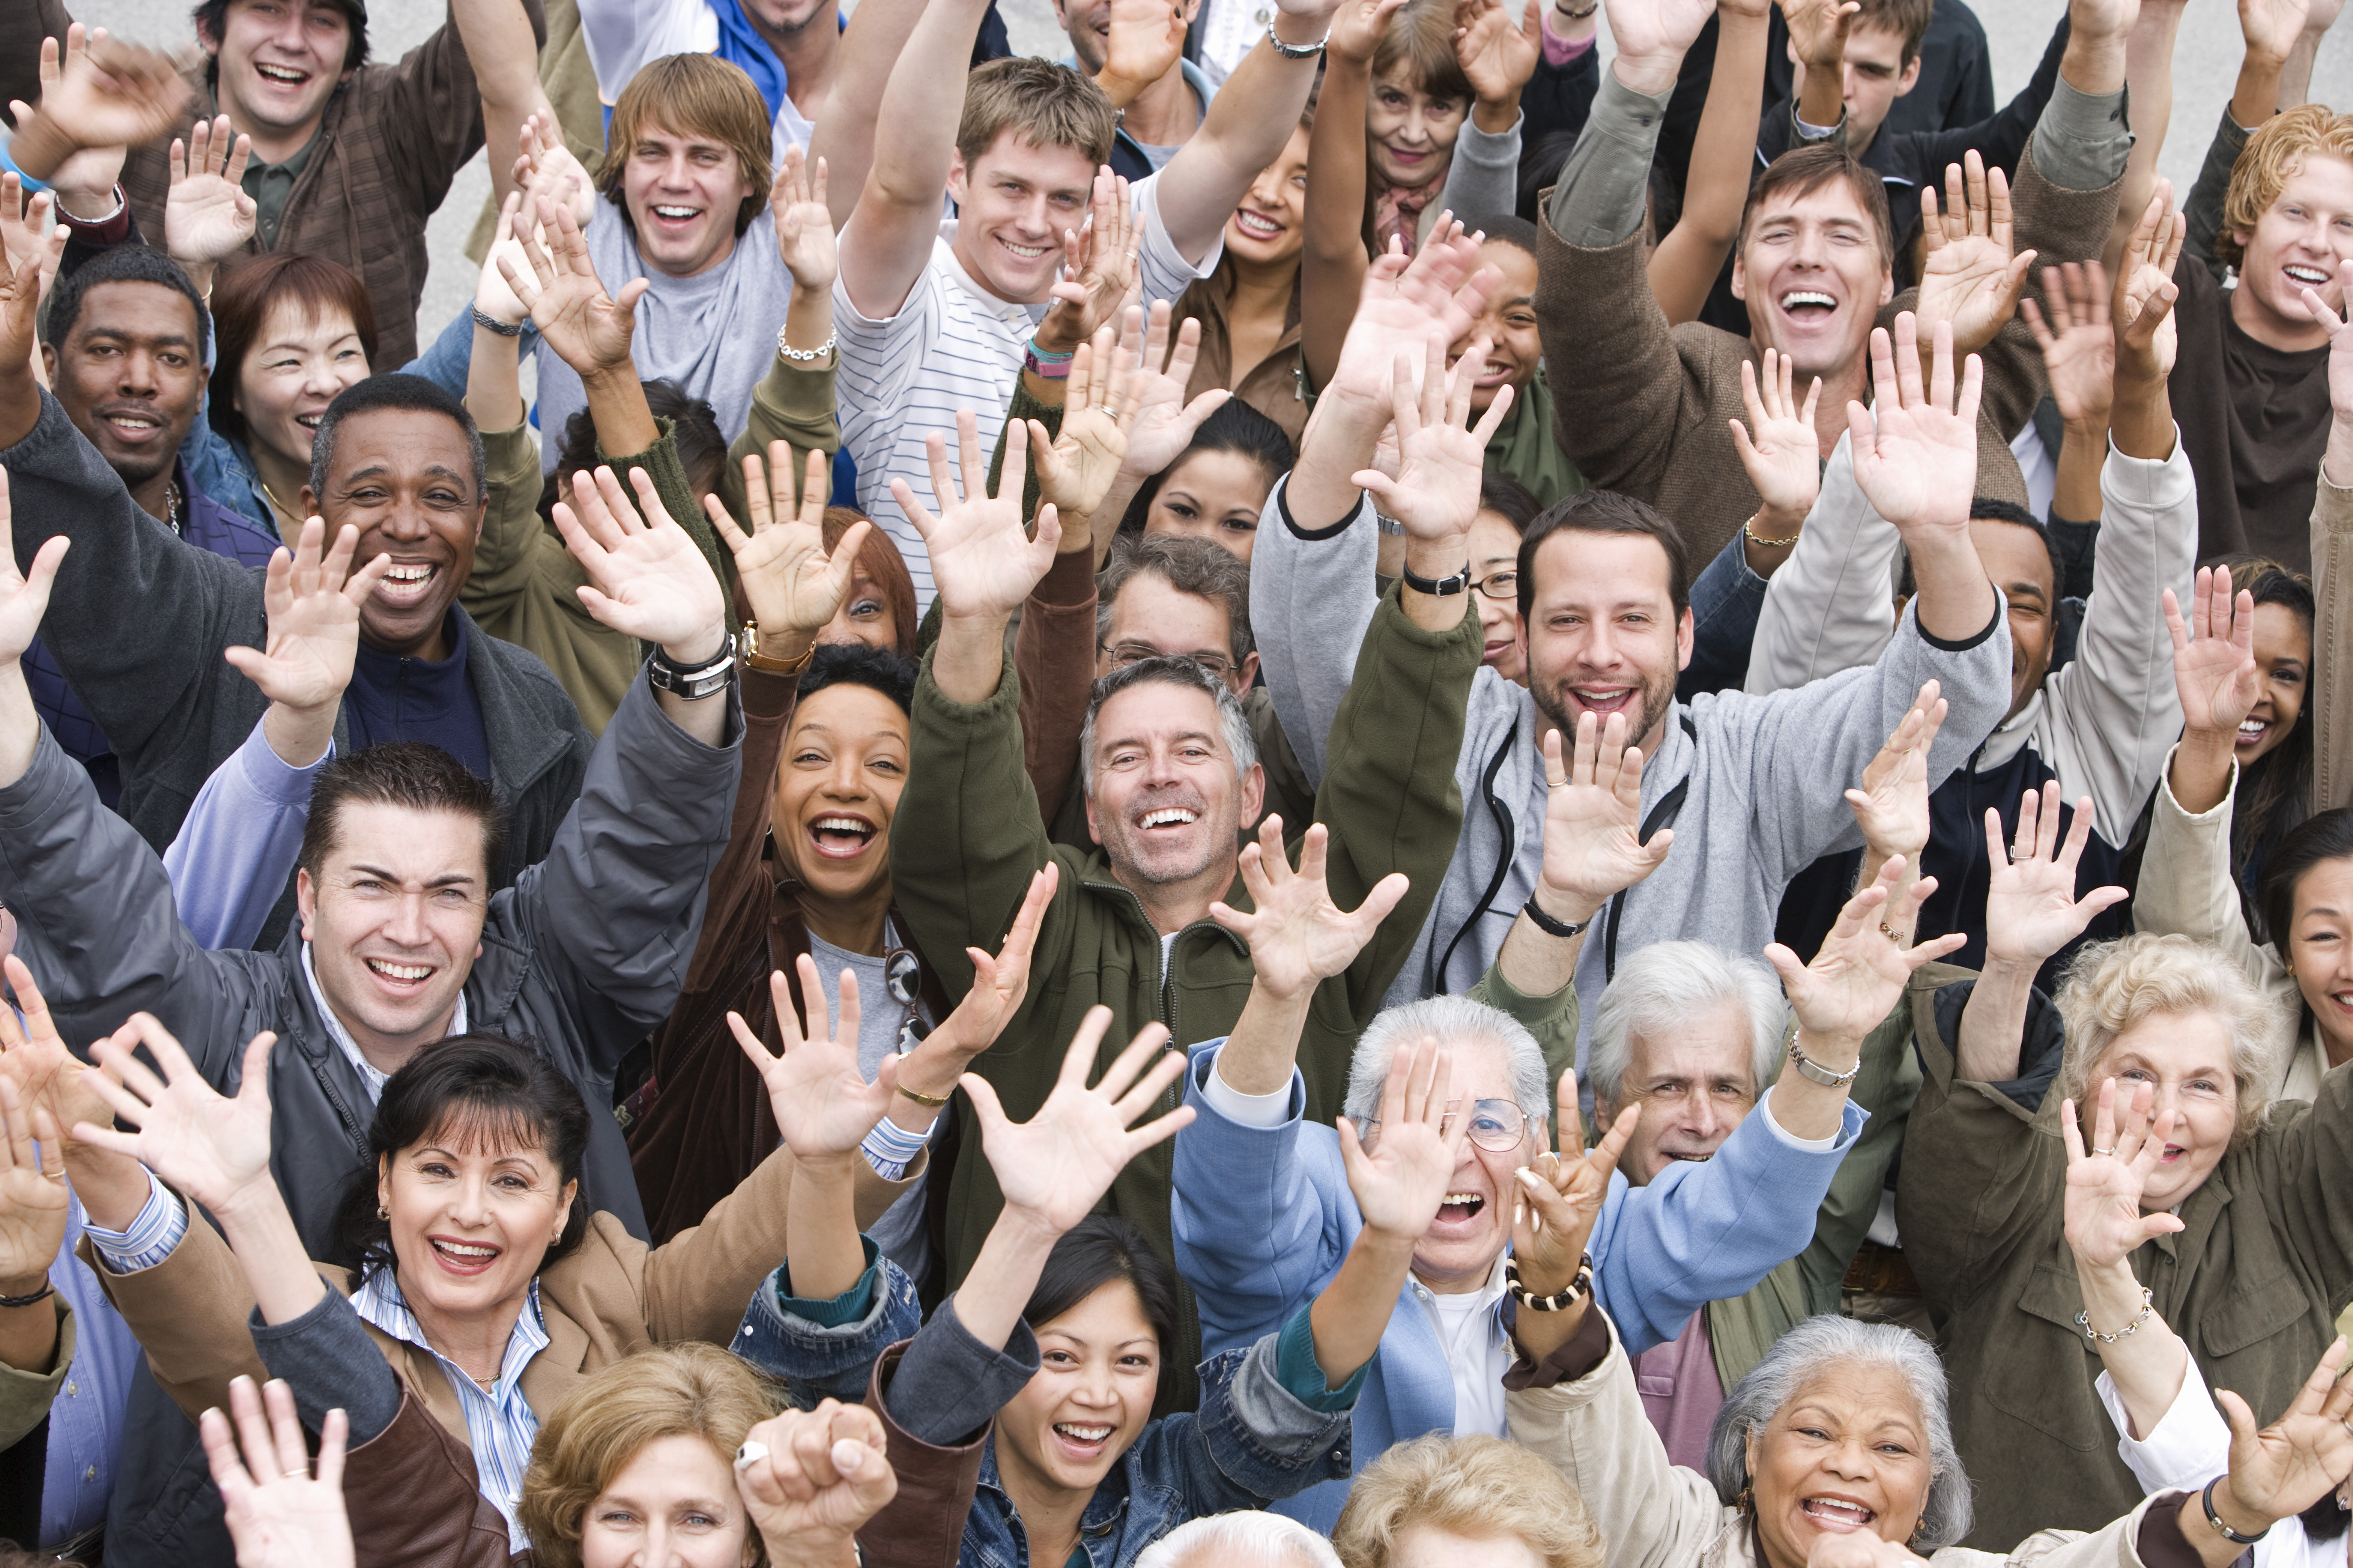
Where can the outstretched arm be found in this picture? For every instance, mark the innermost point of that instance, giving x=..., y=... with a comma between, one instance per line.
x=1688, y=257
x=869, y=53
x=1246, y=127
x=1332, y=261
x=503, y=50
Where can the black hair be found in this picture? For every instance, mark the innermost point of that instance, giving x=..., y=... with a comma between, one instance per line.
x=409, y=393
x=1987, y=509
x=2275, y=790
x=857, y=664
x=702, y=449
x=1234, y=427
x=122, y=264
x=1606, y=511
x=478, y=1085
x=407, y=773
x=211, y=17
x=1511, y=501
x=1510, y=228
x=1100, y=1250
x=2317, y=840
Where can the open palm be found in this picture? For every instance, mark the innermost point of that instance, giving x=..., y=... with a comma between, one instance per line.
x=2214, y=655
x=1783, y=458
x=1593, y=846
x=24, y=600
x=1077, y=466
x=207, y=216
x=31, y=1188
x=983, y=562
x=588, y=329
x=114, y=94
x=1159, y=422
x=1497, y=47
x=2288, y=1465
x=804, y=224
x=1892, y=807
x=278, y=1513
x=1403, y=305
x=2078, y=339
x=823, y=1103
x=793, y=584
x=2103, y=1223
x=313, y=604
x=1854, y=981
x=646, y=577
x=1915, y=448
x=198, y=1141
x=1970, y=279
x=1297, y=935
x=2032, y=909
x=1647, y=28
x=1399, y=1184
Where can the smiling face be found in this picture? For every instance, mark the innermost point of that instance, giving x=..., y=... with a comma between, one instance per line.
x=2320, y=952
x=395, y=923
x=130, y=375
x=1269, y=228
x=472, y=1217
x=1409, y=130
x=1152, y=612
x=1876, y=76
x=1508, y=324
x=2019, y=566
x=2283, y=671
x=405, y=477
x=1494, y=549
x=865, y=617
x=1811, y=272
x=682, y=192
x=1167, y=802
x=1691, y=1091
x=1098, y=1372
x=297, y=364
x=1458, y=1252
x=1849, y=1452
x=674, y=1505
x=2187, y=1057
x=279, y=62
x=1603, y=637
x=1014, y=204
x=2295, y=246
x=785, y=18
x=845, y=762
x=1212, y=495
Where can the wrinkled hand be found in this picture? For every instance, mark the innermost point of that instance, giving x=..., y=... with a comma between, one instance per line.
x=983, y=563
x=1298, y=936
x=2105, y=1224
x=804, y=224
x=1970, y=279
x=1915, y=452
x=1498, y=50
x=1441, y=455
x=2147, y=339
x=824, y=1105
x=32, y=1191
x=1856, y=978
x=2288, y=1465
x=2214, y=658
x=588, y=329
x=811, y=1478
x=2032, y=909
x=1076, y=465
x=2078, y=341
x=1159, y=423
x=207, y=216
x=1892, y=807
x=2340, y=342
x=1099, y=264
x=25, y=600
x=279, y=1514
x=1593, y=846
x=201, y=1143
x=1401, y=1182
x=1405, y=304
x=1559, y=1197
x=1056, y=1166
x=1784, y=458
x=646, y=577
x=313, y=600
x=794, y=585
x=998, y=985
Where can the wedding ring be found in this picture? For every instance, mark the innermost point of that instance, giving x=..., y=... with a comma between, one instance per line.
x=2102, y=1152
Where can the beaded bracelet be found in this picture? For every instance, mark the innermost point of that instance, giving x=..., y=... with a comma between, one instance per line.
x=805, y=356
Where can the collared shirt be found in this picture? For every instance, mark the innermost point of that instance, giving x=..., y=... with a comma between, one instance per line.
x=500, y=1423
x=369, y=1074
x=270, y=184
x=86, y=1417
x=1469, y=1327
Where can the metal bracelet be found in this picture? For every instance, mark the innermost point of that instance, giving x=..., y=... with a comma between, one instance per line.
x=2148, y=1310
x=1304, y=51
x=804, y=357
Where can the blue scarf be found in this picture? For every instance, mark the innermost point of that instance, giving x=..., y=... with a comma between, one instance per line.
x=740, y=46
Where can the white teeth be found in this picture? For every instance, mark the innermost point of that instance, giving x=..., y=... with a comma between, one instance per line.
x=1797, y=297
x=408, y=574
x=280, y=73
x=1083, y=1433
x=1168, y=814
x=1836, y=1508
x=399, y=971
x=308, y=421
x=2251, y=727
x=460, y=1250
x=1026, y=252
x=2312, y=275
x=675, y=212
x=1251, y=224
x=843, y=825
x=132, y=421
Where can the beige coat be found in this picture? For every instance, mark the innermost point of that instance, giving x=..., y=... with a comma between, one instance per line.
x=1652, y=1515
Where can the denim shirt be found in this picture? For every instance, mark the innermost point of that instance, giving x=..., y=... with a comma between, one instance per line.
x=1253, y=1441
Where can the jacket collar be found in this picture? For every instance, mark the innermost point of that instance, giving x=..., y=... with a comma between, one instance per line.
x=1105, y=1509
x=1095, y=877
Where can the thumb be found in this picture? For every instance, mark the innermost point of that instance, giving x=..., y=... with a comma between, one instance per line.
x=984, y=1103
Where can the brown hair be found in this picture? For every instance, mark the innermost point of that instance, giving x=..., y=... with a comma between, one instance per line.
x=1478, y=1487
x=691, y=1390
x=880, y=558
x=1049, y=105
x=1606, y=511
x=2272, y=156
x=1907, y=18
x=410, y=774
x=691, y=95
x=247, y=289
x=1420, y=38
x=1804, y=170
x=1200, y=567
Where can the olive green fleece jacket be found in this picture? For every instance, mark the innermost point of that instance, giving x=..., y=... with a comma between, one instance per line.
x=967, y=837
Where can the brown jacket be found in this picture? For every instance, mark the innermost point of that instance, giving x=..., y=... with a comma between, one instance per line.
x=1276, y=385
x=1646, y=409
x=2331, y=706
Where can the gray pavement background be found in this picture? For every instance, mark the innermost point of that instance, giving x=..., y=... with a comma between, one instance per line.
x=2205, y=64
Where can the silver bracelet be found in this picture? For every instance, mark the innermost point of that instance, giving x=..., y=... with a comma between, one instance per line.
x=1388, y=524
x=1808, y=1067
x=2148, y=1310
x=1297, y=51
x=804, y=357
x=489, y=322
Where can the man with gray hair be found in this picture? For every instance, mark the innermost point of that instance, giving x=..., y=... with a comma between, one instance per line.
x=1239, y=1540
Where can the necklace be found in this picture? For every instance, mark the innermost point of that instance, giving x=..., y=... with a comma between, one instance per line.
x=172, y=508
x=276, y=505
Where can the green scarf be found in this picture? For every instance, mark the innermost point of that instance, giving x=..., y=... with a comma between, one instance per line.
x=1526, y=449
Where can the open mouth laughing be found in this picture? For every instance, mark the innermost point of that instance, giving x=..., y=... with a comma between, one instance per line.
x=1808, y=305
x=1837, y=1514
x=464, y=1259
x=841, y=836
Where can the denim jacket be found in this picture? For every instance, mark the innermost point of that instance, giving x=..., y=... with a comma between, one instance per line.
x=1253, y=1441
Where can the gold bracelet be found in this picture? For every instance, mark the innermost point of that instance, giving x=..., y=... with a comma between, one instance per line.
x=1749, y=530
x=771, y=663
x=930, y=1101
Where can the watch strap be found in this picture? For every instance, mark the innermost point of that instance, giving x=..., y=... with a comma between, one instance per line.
x=1551, y=927
x=693, y=683
x=748, y=649
x=1437, y=587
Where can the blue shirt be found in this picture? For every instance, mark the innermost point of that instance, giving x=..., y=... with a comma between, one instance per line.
x=394, y=696
x=86, y=1417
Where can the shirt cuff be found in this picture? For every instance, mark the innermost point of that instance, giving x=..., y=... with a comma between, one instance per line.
x=155, y=1235
x=1811, y=131
x=851, y=1306
x=271, y=776
x=1576, y=1357
x=109, y=228
x=2159, y=1540
x=1302, y=1378
x=1811, y=1145
x=1264, y=1111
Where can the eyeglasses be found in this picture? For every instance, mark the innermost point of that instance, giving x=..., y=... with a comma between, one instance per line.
x=1127, y=653
x=1503, y=586
x=1496, y=1125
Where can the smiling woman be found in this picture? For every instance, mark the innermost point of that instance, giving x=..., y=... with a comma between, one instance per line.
x=294, y=331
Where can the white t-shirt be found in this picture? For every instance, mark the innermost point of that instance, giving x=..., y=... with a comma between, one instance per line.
x=1477, y=1351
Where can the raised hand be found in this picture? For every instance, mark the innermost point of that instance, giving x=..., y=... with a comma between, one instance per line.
x=200, y=1142
x=2272, y=26
x=588, y=329
x=1298, y=937
x=646, y=578
x=1892, y=807
x=112, y=94
x=1441, y=455
x=2104, y=1220
x=2340, y=342
x=548, y=169
x=1560, y=1196
x=1056, y=1166
x=982, y=562
x=1436, y=296
x=207, y=216
x=1969, y=280
x=1498, y=50
x=47, y=1076
x=1099, y=264
x=998, y=985
x=1593, y=846
x=32, y=1192
x=805, y=239
x=1144, y=40
x=2146, y=336
x=313, y=598
x=25, y=600
x=1652, y=36
x=1401, y=1180
x=27, y=266
x=279, y=1514
x=91, y=173
x=824, y=1105
x=2032, y=909
x=2214, y=656
x=810, y=1478
x=1915, y=450
x=1358, y=28
x=794, y=585
x=2078, y=341
x=1159, y=423
x=24, y=227
x=2285, y=1468
x=1818, y=30
x=1784, y=458
x=1858, y=977
x=1076, y=466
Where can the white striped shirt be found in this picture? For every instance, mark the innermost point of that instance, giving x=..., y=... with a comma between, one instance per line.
x=953, y=345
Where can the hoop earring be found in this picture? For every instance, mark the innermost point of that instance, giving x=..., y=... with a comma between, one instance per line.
x=383, y=1213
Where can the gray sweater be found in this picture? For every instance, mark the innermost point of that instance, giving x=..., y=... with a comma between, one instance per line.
x=1760, y=778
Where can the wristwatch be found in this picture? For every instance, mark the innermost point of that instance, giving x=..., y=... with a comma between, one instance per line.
x=747, y=647
x=693, y=683
x=1437, y=587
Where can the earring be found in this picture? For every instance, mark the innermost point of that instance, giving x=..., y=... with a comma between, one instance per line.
x=1747, y=1503
x=383, y=1213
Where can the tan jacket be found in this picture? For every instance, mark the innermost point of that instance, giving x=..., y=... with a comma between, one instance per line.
x=2331, y=686
x=1652, y=1515
x=25, y=1396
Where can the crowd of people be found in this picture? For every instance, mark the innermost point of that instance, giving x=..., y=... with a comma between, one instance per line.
x=1353, y=784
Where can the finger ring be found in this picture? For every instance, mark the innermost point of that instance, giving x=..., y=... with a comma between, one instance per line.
x=2103, y=1151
